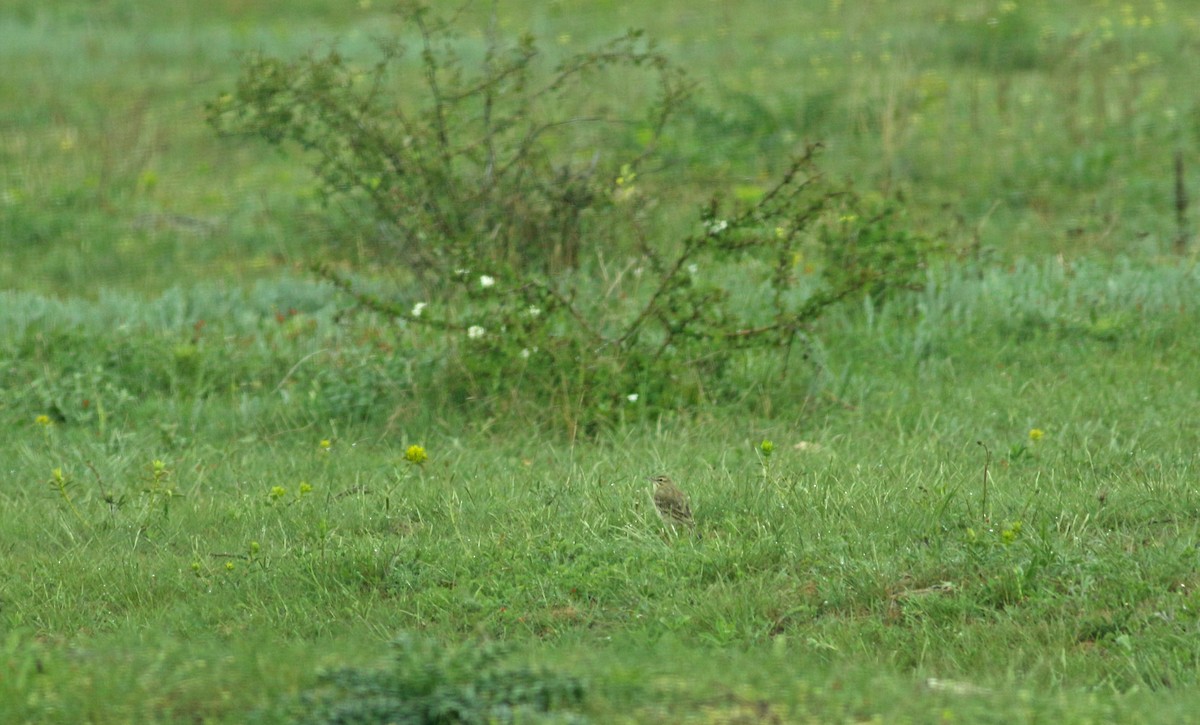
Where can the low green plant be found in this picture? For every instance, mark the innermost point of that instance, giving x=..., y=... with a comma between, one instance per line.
x=60, y=483
x=431, y=683
x=1004, y=563
x=160, y=487
x=1003, y=39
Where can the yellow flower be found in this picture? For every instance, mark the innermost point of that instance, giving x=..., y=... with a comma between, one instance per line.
x=416, y=454
x=43, y=420
x=277, y=492
x=326, y=444
x=1035, y=434
x=305, y=488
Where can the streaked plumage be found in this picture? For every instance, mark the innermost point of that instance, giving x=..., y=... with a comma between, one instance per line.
x=671, y=503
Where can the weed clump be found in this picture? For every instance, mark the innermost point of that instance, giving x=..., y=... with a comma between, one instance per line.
x=427, y=683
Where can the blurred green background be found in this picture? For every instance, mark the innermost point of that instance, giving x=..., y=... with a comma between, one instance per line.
x=1009, y=128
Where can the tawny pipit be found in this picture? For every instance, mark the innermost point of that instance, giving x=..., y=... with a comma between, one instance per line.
x=671, y=503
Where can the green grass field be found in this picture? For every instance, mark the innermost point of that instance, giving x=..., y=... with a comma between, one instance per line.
x=207, y=501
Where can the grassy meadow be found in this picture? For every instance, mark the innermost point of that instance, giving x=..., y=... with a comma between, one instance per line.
x=970, y=502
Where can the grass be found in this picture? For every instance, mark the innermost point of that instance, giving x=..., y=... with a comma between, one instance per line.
x=207, y=500
x=835, y=576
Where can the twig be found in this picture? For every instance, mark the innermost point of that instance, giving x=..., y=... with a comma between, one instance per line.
x=296, y=366
x=1181, y=205
x=986, y=462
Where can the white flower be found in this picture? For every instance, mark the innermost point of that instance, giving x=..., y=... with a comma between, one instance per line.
x=716, y=226
x=526, y=353
x=461, y=272
x=693, y=269
x=534, y=310
x=418, y=309
x=475, y=332
x=486, y=281
x=632, y=397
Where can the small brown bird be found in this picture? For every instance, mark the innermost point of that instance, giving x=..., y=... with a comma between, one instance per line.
x=671, y=503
